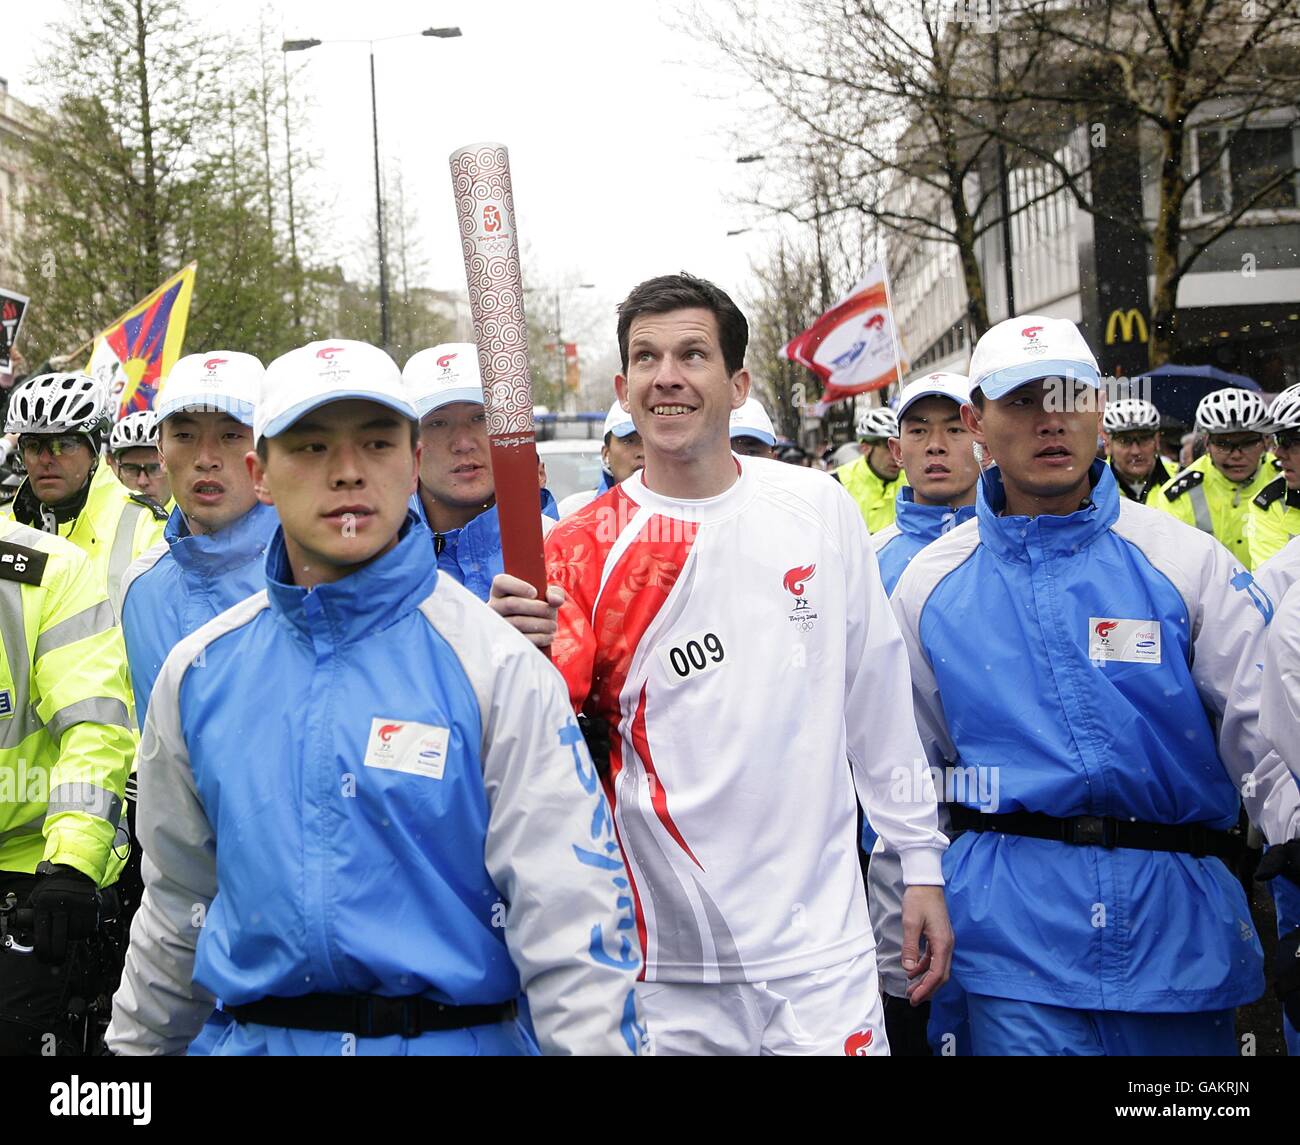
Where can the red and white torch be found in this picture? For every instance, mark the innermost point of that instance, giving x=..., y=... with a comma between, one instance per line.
x=485, y=204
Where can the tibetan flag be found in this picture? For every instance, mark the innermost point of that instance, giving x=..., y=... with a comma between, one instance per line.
x=146, y=341
x=107, y=369
x=853, y=347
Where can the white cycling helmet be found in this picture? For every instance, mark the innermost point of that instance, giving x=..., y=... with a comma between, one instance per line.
x=878, y=422
x=1231, y=410
x=1128, y=414
x=137, y=430
x=59, y=403
x=1284, y=413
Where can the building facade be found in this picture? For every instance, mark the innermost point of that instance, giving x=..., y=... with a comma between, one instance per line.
x=1238, y=308
x=17, y=123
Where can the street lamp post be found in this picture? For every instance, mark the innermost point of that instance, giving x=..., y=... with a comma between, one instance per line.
x=293, y=230
x=302, y=46
x=384, y=320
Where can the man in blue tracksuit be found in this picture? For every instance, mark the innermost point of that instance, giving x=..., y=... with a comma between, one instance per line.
x=369, y=816
x=1086, y=676
x=933, y=446
x=213, y=550
x=456, y=498
x=211, y=555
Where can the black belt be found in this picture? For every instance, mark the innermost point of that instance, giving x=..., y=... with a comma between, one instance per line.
x=369, y=1015
x=1102, y=831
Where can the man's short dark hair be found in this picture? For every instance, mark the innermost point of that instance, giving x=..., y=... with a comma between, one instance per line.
x=686, y=292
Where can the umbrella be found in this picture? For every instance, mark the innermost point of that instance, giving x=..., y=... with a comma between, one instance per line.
x=1176, y=390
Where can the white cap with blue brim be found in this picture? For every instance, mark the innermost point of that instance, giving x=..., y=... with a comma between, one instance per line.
x=751, y=420
x=1026, y=349
x=618, y=422
x=321, y=373
x=219, y=381
x=955, y=387
x=443, y=375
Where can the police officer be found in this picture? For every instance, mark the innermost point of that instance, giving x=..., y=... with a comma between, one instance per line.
x=65, y=750
x=419, y=833
x=1131, y=428
x=875, y=478
x=133, y=453
x=61, y=420
x=1107, y=633
x=1214, y=492
x=1275, y=511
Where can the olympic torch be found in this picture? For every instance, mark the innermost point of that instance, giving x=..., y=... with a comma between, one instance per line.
x=480, y=175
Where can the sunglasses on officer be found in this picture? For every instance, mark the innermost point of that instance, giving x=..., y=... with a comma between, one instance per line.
x=32, y=445
x=134, y=471
x=1227, y=445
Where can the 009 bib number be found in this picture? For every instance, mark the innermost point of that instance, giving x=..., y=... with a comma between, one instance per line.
x=692, y=656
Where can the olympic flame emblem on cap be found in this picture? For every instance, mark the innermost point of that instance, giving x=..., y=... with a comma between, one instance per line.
x=328, y=352
x=446, y=360
x=213, y=363
x=1030, y=332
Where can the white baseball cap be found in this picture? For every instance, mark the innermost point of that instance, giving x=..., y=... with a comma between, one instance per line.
x=953, y=386
x=751, y=420
x=443, y=374
x=618, y=421
x=1023, y=350
x=220, y=381
x=323, y=372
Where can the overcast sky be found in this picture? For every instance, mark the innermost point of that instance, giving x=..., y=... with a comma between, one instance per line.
x=618, y=127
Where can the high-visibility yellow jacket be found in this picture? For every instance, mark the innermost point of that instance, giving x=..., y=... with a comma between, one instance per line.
x=1274, y=519
x=875, y=497
x=1204, y=498
x=113, y=528
x=66, y=739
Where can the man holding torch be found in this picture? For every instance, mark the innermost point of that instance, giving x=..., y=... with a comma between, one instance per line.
x=707, y=606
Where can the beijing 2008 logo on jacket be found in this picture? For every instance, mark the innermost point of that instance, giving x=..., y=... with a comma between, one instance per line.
x=795, y=582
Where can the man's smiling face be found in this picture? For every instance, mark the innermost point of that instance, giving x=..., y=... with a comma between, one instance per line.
x=677, y=387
